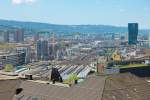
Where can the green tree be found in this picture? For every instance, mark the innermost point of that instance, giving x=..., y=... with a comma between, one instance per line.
x=72, y=78
x=8, y=68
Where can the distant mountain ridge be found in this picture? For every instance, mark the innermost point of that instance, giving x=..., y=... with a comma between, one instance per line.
x=65, y=28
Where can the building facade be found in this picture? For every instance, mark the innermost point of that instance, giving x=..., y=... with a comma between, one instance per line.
x=16, y=35
x=27, y=51
x=42, y=50
x=14, y=58
x=132, y=33
x=19, y=36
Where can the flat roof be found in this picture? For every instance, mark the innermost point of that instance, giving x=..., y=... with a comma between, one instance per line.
x=10, y=54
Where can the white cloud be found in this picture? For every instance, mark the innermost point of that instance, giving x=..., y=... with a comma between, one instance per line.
x=29, y=1
x=18, y=2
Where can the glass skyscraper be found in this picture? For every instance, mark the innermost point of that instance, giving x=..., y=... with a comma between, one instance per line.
x=132, y=33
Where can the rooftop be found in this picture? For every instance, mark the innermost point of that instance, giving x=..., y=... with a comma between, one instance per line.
x=8, y=88
x=124, y=86
x=91, y=89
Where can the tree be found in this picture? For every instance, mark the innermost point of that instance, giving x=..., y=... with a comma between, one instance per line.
x=8, y=68
x=72, y=78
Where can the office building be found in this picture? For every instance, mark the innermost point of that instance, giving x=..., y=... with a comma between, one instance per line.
x=42, y=50
x=112, y=36
x=126, y=37
x=19, y=36
x=117, y=36
x=14, y=58
x=12, y=36
x=27, y=51
x=36, y=37
x=132, y=33
x=38, y=46
x=6, y=36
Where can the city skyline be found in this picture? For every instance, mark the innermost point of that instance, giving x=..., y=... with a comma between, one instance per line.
x=105, y=12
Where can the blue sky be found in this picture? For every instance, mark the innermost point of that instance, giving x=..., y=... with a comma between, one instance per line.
x=107, y=12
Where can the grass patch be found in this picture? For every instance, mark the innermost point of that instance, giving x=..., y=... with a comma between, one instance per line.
x=132, y=66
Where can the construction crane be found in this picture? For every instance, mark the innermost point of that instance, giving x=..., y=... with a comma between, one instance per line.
x=53, y=41
x=62, y=42
x=53, y=44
